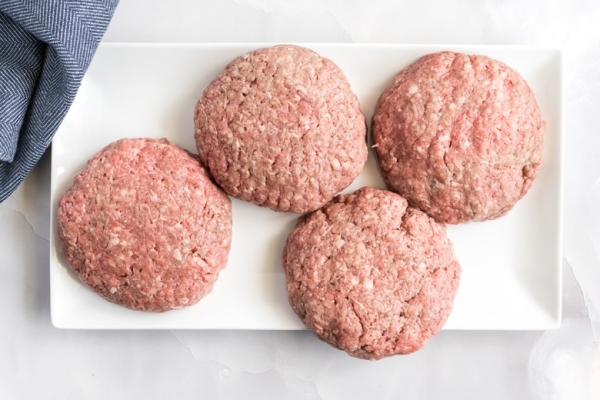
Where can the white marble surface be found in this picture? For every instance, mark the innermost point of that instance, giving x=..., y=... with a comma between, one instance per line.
x=39, y=361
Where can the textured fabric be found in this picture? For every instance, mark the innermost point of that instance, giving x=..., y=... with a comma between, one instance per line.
x=45, y=48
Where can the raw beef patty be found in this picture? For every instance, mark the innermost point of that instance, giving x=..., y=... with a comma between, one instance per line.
x=371, y=275
x=280, y=127
x=144, y=226
x=460, y=136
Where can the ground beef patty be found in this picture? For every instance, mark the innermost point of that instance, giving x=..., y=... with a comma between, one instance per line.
x=460, y=136
x=280, y=127
x=144, y=226
x=370, y=275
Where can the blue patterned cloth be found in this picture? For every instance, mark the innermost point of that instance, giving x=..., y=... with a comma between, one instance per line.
x=45, y=48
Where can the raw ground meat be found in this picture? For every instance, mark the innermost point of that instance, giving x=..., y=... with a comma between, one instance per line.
x=371, y=275
x=280, y=127
x=144, y=226
x=460, y=136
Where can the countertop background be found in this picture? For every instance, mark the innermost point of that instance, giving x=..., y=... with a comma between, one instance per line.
x=39, y=361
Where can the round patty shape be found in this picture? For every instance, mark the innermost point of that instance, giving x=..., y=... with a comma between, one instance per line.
x=371, y=275
x=280, y=127
x=144, y=226
x=460, y=136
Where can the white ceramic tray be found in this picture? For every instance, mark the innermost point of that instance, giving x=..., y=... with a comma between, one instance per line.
x=511, y=267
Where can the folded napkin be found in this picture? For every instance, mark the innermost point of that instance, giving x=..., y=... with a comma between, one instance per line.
x=45, y=48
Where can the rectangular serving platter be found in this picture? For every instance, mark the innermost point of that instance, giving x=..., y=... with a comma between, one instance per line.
x=511, y=277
